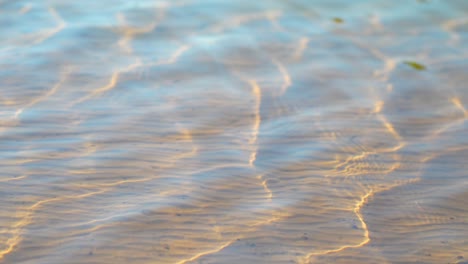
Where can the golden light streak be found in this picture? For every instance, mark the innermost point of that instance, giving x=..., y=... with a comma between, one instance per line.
x=376, y=23
x=346, y=168
x=456, y=101
x=110, y=85
x=266, y=222
x=48, y=94
x=377, y=110
x=390, y=128
x=276, y=216
x=450, y=27
x=378, y=107
x=112, y=184
x=14, y=178
x=19, y=162
x=60, y=26
x=221, y=166
x=389, y=63
x=357, y=211
x=303, y=43
x=7, y=102
x=438, y=154
x=115, y=76
x=352, y=158
x=257, y=93
x=52, y=91
x=357, y=165
x=175, y=56
x=83, y=171
x=187, y=135
x=252, y=158
x=209, y=252
x=265, y=187
x=129, y=32
x=170, y=163
x=273, y=18
x=285, y=74
x=389, y=66
x=27, y=219
x=124, y=44
x=243, y=19
x=446, y=127
x=98, y=221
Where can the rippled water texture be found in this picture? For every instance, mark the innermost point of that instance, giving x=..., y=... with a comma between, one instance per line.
x=212, y=131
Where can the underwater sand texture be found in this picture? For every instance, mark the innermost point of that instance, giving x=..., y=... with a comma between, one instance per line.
x=233, y=132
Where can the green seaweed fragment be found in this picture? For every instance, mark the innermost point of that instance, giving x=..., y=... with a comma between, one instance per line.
x=338, y=20
x=415, y=65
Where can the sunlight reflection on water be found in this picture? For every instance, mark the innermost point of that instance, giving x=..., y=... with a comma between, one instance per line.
x=233, y=132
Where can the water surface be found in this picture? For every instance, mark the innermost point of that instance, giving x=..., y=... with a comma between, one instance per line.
x=276, y=131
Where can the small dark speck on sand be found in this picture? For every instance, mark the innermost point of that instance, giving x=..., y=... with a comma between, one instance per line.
x=90, y=253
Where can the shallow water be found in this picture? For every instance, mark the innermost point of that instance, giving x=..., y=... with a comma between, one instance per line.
x=276, y=131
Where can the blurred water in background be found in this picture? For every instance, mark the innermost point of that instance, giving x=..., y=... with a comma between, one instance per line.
x=210, y=131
